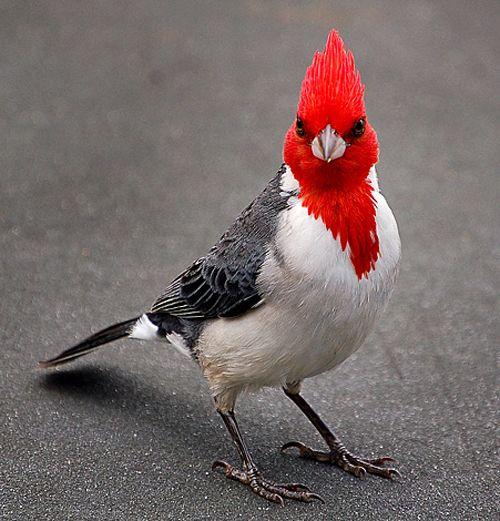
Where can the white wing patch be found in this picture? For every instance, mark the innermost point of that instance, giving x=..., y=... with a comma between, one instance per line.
x=144, y=329
x=179, y=343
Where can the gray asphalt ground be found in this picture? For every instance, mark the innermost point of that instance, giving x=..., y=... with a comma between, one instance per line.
x=132, y=134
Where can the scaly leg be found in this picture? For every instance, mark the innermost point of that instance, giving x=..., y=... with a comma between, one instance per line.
x=338, y=454
x=251, y=476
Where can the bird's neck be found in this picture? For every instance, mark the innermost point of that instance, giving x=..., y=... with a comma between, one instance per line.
x=350, y=215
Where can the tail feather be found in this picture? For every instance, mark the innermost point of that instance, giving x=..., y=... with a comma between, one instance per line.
x=100, y=338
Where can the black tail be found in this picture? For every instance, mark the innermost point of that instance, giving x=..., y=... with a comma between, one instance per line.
x=104, y=336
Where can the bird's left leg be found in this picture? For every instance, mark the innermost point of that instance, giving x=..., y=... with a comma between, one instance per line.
x=337, y=454
x=250, y=474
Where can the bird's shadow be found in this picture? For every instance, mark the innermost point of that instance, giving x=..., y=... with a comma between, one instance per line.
x=182, y=420
x=90, y=382
x=128, y=395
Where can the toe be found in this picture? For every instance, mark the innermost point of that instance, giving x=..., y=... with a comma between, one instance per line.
x=297, y=487
x=285, y=490
x=307, y=452
x=231, y=472
x=352, y=467
x=264, y=492
x=378, y=470
x=381, y=461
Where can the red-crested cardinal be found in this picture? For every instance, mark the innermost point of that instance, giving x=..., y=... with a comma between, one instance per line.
x=295, y=285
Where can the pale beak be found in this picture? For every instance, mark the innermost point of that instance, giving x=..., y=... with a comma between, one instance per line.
x=328, y=145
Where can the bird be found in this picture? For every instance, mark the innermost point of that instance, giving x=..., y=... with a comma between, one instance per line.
x=294, y=286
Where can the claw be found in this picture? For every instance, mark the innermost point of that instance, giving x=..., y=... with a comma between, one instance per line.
x=292, y=444
x=219, y=464
x=304, y=450
x=360, y=472
x=394, y=473
x=318, y=497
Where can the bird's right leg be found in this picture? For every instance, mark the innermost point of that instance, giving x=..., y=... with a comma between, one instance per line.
x=337, y=454
x=250, y=475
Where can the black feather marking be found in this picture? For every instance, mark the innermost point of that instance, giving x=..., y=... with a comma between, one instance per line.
x=188, y=328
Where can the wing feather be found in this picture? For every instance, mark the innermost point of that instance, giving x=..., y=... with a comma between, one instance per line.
x=224, y=282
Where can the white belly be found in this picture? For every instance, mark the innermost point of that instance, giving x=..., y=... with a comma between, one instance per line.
x=317, y=313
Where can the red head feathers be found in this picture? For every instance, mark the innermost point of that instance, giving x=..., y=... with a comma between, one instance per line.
x=332, y=91
x=330, y=149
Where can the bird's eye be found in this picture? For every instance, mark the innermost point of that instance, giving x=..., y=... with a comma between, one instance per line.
x=359, y=127
x=299, y=127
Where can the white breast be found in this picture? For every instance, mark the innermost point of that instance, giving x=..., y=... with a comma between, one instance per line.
x=316, y=313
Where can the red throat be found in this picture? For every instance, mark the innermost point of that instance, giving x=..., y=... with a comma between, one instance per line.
x=350, y=216
x=337, y=192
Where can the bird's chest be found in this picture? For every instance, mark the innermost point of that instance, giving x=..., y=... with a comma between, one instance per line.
x=329, y=309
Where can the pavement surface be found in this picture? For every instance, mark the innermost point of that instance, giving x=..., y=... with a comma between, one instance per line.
x=132, y=134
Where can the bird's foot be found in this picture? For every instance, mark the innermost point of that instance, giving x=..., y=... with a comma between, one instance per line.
x=265, y=488
x=341, y=457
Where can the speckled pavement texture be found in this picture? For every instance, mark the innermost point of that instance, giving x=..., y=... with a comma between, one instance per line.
x=132, y=134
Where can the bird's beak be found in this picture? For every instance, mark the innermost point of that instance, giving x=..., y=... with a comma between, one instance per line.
x=328, y=145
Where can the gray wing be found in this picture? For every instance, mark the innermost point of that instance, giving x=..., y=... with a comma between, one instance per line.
x=223, y=283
